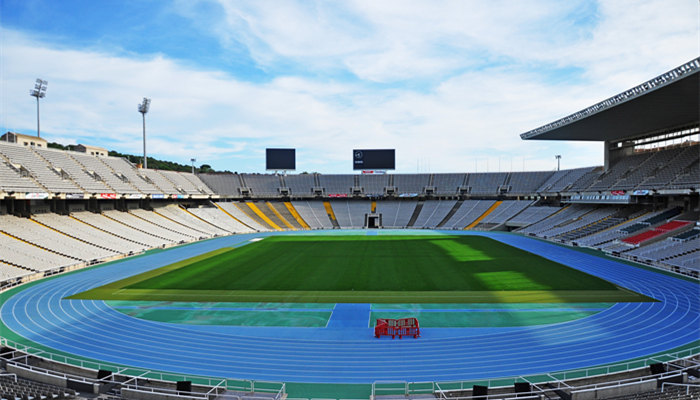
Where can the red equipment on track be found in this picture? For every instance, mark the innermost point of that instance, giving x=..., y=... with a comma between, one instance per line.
x=397, y=327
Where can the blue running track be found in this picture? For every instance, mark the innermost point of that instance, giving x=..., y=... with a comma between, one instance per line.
x=345, y=350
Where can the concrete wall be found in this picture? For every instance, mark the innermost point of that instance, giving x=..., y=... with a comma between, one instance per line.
x=37, y=376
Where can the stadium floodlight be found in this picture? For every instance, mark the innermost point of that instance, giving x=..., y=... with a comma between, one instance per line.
x=558, y=157
x=143, y=109
x=193, y=161
x=39, y=92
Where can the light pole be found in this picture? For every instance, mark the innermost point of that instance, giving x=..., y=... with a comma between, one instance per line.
x=143, y=109
x=558, y=157
x=193, y=161
x=39, y=92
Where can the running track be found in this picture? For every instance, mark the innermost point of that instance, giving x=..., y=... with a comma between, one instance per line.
x=352, y=355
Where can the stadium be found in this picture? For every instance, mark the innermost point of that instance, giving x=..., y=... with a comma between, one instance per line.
x=120, y=281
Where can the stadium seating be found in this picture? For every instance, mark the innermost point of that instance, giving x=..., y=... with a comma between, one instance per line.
x=164, y=224
x=225, y=184
x=395, y=214
x=486, y=183
x=448, y=184
x=350, y=213
x=409, y=184
x=52, y=240
x=532, y=214
x=563, y=180
x=237, y=212
x=87, y=233
x=113, y=226
x=262, y=184
x=220, y=219
x=313, y=212
x=12, y=180
x=655, y=232
x=433, y=212
x=507, y=210
x=187, y=219
x=467, y=213
x=373, y=185
x=65, y=160
x=525, y=183
x=9, y=272
x=337, y=184
x=300, y=185
x=12, y=387
x=49, y=176
x=30, y=257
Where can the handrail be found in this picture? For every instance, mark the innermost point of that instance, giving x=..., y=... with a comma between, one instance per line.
x=13, y=375
x=279, y=388
x=686, y=385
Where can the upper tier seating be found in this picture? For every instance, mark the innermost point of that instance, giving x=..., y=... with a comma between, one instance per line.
x=46, y=174
x=448, y=184
x=337, y=184
x=411, y=183
x=300, y=185
x=64, y=160
x=527, y=182
x=226, y=184
x=262, y=185
x=12, y=180
x=373, y=185
x=486, y=183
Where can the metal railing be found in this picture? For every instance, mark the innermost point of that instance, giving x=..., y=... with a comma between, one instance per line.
x=234, y=384
x=557, y=378
x=686, y=385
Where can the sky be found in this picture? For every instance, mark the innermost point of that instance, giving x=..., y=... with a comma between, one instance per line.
x=449, y=84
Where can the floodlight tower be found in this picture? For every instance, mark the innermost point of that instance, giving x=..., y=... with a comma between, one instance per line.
x=193, y=160
x=558, y=157
x=39, y=92
x=143, y=109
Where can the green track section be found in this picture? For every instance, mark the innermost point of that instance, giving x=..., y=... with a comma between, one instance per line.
x=306, y=315
x=485, y=319
x=367, y=269
x=306, y=319
x=309, y=315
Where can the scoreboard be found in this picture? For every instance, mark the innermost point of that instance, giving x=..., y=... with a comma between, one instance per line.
x=280, y=159
x=373, y=159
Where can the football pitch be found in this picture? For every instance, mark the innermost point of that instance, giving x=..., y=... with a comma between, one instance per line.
x=366, y=269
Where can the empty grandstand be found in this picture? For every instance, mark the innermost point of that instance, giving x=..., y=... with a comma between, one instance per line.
x=63, y=210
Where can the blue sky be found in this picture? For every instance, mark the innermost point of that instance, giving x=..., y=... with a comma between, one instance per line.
x=449, y=84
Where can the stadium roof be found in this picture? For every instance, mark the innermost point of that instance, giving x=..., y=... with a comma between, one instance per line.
x=671, y=100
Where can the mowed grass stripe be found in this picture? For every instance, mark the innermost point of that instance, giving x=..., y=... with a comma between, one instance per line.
x=367, y=269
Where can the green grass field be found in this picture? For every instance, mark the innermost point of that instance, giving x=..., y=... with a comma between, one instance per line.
x=367, y=269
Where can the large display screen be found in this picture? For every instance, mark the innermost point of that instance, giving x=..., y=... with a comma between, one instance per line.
x=280, y=159
x=373, y=159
